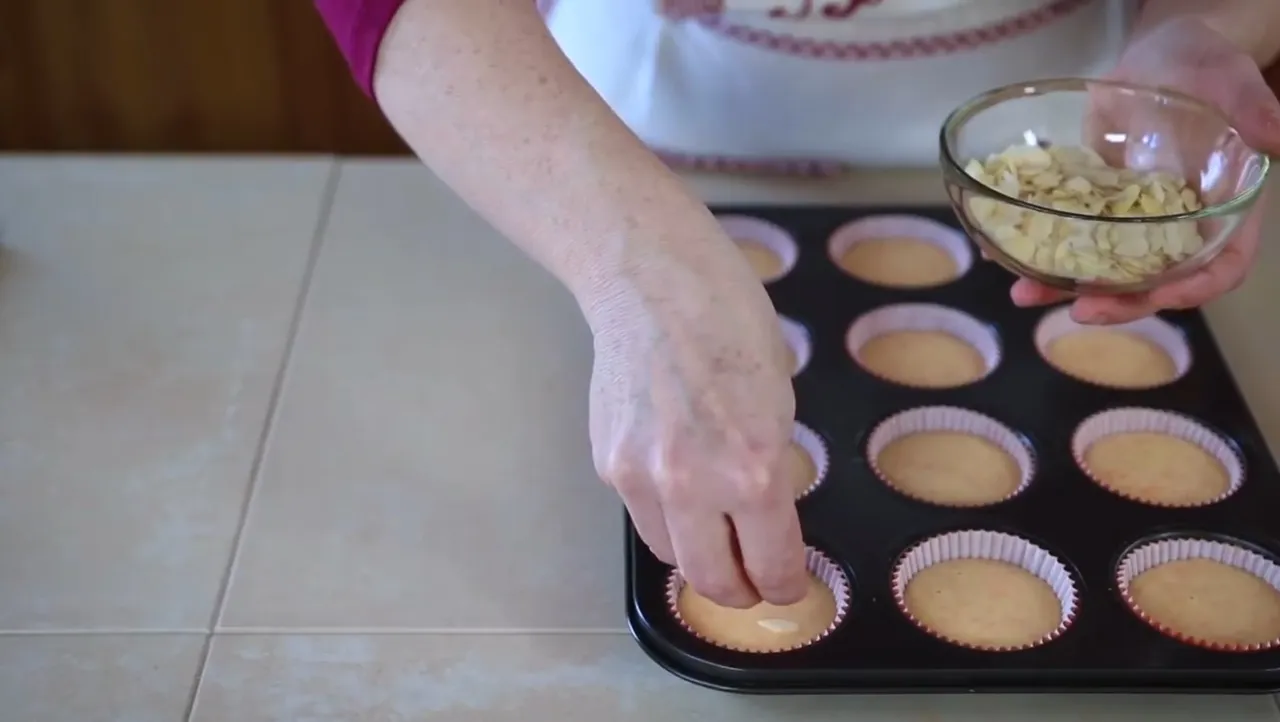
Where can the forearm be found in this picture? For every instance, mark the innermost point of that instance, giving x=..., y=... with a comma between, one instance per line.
x=483, y=95
x=1252, y=25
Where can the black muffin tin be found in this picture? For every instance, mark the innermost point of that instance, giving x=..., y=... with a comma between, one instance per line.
x=860, y=523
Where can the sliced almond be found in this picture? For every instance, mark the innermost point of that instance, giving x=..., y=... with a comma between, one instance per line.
x=1075, y=179
x=779, y=626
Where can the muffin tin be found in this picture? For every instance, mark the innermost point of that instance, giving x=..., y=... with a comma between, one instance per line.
x=868, y=538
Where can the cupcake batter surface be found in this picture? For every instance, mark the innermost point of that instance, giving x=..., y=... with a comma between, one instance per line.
x=948, y=467
x=984, y=603
x=1157, y=468
x=1111, y=358
x=1210, y=601
x=798, y=468
x=929, y=359
x=764, y=627
x=763, y=260
x=899, y=262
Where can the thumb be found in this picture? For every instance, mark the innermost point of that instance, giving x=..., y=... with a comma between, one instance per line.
x=1256, y=114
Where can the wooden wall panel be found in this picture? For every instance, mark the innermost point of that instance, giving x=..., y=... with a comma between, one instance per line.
x=178, y=75
x=182, y=76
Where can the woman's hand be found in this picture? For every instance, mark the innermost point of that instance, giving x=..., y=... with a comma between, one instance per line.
x=691, y=408
x=1188, y=55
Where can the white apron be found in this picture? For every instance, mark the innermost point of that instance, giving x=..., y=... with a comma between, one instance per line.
x=820, y=84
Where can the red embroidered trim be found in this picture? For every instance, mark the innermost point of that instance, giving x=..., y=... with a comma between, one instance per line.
x=913, y=47
x=835, y=10
x=683, y=9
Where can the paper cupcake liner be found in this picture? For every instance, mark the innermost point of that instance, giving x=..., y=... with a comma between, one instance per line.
x=818, y=564
x=799, y=341
x=1153, y=554
x=1142, y=420
x=950, y=418
x=754, y=230
x=813, y=445
x=996, y=546
x=874, y=228
x=1166, y=336
x=925, y=317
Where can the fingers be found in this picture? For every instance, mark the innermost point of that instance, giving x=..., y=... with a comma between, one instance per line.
x=1255, y=111
x=767, y=527
x=1105, y=310
x=1222, y=276
x=683, y=533
x=646, y=514
x=772, y=549
x=1026, y=292
x=705, y=555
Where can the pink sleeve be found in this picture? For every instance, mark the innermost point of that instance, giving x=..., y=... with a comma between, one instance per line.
x=358, y=27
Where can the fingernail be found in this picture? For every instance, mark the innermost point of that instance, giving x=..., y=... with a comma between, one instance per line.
x=784, y=596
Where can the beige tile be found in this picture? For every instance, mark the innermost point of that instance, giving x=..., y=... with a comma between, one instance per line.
x=99, y=678
x=430, y=465
x=144, y=306
x=584, y=678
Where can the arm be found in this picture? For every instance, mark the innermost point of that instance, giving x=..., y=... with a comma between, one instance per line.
x=691, y=404
x=1252, y=25
x=482, y=94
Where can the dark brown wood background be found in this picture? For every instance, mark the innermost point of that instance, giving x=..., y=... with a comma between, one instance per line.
x=182, y=76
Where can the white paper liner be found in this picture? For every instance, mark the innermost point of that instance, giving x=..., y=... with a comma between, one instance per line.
x=876, y=228
x=818, y=564
x=1058, y=323
x=925, y=317
x=996, y=546
x=755, y=230
x=1153, y=554
x=813, y=445
x=1143, y=420
x=799, y=341
x=951, y=418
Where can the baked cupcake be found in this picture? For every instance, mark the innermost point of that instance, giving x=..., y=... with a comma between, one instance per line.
x=766, y=627
x=1157, y=457
x=799, y=344
x=1142, y=354
x=985, y=590
x=770, y=250
x=899, y=251
x=950, y=457
x=923, y=346
x=1210, y=594
x=804, y=461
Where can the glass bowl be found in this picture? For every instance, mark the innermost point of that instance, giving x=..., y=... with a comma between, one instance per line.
x=1141, y=129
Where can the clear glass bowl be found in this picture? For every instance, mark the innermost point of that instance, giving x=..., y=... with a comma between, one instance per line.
x=1130, y=126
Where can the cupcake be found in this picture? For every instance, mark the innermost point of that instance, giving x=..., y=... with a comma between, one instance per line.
x=1157, y=457
x=804, y=461
x=1142, y=354
x=923, y=346
x=770, y=250
x=898, y=251
x=985, y=590
x=950, y=457
x=799, y=345
x=1210, y=594
x=766, y=627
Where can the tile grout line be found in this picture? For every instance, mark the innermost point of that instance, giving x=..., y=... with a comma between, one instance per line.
x=328, y=194
x=106, y=632
x=421, y=631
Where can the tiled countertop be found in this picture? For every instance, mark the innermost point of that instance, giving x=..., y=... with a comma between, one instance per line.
x=324, y=412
